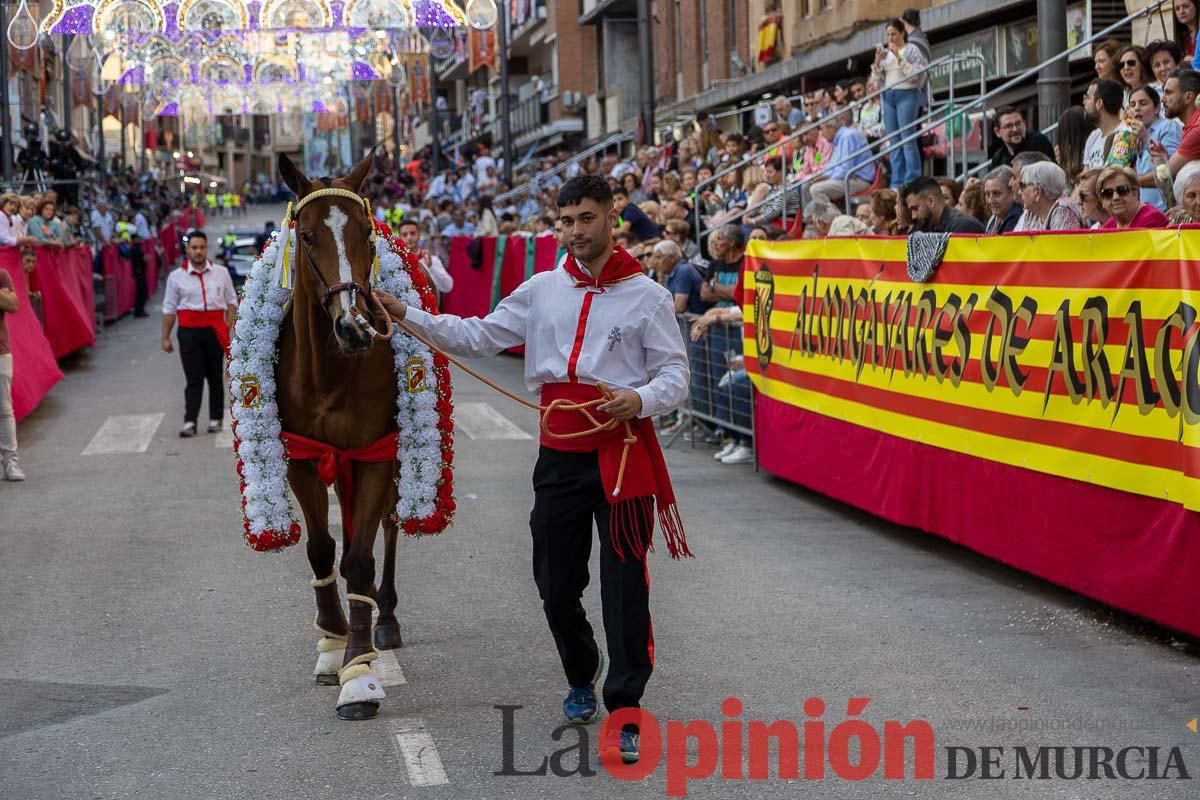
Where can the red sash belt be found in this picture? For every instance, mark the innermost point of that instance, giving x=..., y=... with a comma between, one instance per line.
x=334, y=464
x=207, y=319
x=645, y=480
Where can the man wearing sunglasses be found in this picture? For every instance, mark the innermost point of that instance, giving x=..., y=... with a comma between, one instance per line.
x=1014, y=137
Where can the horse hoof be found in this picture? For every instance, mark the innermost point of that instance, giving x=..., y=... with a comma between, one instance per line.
x=387, y=637
x=356, y=712
x=327, y=679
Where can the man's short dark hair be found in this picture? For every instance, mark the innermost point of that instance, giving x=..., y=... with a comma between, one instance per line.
x=923, y=185
x=1004, y=111
x=197, y=234
x=408, y=221
x=548, y=221
x=619, y=190
x=912, y=17
x=1110, y=94
x=593, y=187
x=1189, y=80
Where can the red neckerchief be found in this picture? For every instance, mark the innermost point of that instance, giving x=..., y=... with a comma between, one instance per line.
x=620, y=266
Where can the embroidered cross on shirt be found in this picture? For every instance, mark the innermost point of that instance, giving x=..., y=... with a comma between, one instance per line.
x=614, y=337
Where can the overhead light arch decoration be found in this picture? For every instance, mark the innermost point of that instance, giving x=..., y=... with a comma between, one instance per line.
x=129, y=17
x=213, y=15
x=296, y=14
x=222, y=70
x=378, y=15
x=276, y=69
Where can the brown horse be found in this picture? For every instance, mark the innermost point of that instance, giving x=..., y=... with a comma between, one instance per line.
x=337, y=387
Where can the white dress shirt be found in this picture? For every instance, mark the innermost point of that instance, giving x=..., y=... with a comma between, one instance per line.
x=191, y=290
x=8, y=231
x=141, y=226
x=631, y=339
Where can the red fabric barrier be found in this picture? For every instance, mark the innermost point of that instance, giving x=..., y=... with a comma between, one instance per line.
x=34, y=369
x=118, y=269
x=1133, y=552
x=70, y=319
x=472, y=293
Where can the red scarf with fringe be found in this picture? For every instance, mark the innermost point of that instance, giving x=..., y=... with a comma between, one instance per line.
x=646, y=480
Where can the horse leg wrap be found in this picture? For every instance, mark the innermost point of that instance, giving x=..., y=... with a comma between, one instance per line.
x=331, y=620
x=360, y=648
x=331, y=652
x=359, y=685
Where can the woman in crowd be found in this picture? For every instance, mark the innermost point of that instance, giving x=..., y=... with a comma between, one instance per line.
x=1104, y=59
x=883, y=213
x=1162, y=58
x=1074, y=127
x=633, y=185
x=10, y=233
x=1117, y=187
x=488, y=224
x=1085, y=198
x=870, y=116
x=896, y=65
x=45, y=229
x=688, y=181
x=951, y=190
x=1152, y=131
x=688, y=156
x=971, y=201
x=1132, y=64
x=1186, y=22
x=1187, y=192
x=1043, y=189
x=27, y=212
x=772, y=177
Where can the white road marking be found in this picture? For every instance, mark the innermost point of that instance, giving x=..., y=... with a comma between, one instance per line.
x=420, y=754
x=124, y=433
x=224, y=437
x=388, y=669
x=481, y=421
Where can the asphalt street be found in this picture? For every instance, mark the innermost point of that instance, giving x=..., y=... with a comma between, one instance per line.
x=146, y=652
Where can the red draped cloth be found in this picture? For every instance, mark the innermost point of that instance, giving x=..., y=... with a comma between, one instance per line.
x=68, y=308
x=34, y=369
x=334, y=464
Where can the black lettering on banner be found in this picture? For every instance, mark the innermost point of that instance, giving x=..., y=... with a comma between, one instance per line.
x=1014, y=344
x=925, y=308
x=1001, y=310
x=855, y=303
x=962, y=337
x=870, y=337
x=846, y=330
x=1097, y=376
x=827, y=316
x=942, y=336
x=838, y=317
x=1133, y=364
x=1164, y=373
x=1062, y=358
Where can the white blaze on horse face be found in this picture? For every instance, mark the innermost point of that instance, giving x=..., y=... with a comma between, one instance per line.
x=336, y=222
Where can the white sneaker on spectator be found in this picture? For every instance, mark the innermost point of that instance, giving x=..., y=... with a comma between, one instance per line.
x=729, y=447
x=188, y=430
x=214, y=425
x=740, y=455
x=12, y=470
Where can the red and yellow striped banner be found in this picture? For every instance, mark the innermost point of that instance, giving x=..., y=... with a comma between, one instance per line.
x=1075, y=355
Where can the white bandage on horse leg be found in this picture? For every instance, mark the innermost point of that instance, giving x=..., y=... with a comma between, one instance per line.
x=317, y=584
x=359, y=685
x=331, y=651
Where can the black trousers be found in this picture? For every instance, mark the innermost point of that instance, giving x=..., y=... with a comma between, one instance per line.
x=203, y=359
x=568, y=496
x=137, y=262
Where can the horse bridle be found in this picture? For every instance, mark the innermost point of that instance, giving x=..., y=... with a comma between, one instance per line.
x=354, y=287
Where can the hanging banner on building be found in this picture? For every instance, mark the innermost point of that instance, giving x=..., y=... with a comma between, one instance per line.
x=1075, y=355
x=481, y=49
x=418, y=78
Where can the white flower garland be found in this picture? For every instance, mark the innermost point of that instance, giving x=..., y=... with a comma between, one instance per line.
x=423, y=413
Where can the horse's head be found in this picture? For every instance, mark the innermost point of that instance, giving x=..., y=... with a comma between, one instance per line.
x=333, y=239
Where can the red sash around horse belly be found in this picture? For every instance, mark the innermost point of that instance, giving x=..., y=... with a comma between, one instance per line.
x=334, y=464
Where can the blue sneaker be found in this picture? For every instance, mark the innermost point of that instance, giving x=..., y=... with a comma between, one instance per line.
x=579, y=706
x=631, y=747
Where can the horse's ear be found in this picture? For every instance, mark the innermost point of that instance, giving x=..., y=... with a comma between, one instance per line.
x=358, y=175
x=293, y=177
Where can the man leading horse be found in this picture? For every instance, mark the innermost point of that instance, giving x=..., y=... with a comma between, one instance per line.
x=595, y=328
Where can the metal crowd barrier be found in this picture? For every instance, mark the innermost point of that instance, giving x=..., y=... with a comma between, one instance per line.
x=720, y=399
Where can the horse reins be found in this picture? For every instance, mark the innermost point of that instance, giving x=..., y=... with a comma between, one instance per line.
x=561, y=404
